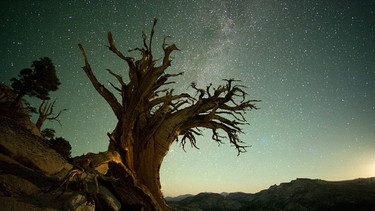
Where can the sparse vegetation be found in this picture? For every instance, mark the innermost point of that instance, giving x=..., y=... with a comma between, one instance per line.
x=59, y=144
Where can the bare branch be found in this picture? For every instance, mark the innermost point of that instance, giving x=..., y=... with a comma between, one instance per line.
x=168, y=99
x=55, y=118
x=162, y=80
x=152, y=35
x=201, y=91
x=190, y=135
x=118, y=77
x=104, y=92
x=211, y=112
x=113, y=48
x=115, y=87
x=45, y=111
x=45, y=108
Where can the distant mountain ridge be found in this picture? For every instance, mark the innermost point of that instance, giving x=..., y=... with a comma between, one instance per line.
x=178, y=198
x=300, y=194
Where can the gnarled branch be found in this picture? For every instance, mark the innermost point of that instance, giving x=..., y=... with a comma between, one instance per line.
x=212, y=112
x=104, y=92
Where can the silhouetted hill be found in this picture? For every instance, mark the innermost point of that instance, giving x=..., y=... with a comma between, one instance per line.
x=299, y=194
x=178, y=198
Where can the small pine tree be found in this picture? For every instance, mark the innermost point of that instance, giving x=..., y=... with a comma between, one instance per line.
x=36, y=82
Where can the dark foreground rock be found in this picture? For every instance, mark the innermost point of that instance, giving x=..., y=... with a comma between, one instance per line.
x=299, y=194
x=30, y=173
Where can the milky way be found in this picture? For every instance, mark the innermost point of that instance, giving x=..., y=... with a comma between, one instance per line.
x=310, y=62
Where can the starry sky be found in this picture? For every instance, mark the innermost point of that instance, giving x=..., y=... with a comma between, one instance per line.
x=310, y=62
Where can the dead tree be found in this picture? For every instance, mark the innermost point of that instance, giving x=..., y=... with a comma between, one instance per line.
x=45, y=111
x=151, y=117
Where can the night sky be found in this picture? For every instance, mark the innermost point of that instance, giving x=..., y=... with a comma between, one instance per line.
x=312, y=63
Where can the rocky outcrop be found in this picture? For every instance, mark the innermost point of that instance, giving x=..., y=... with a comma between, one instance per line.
x=299, y=194
x=30, y=172
x=18, y=145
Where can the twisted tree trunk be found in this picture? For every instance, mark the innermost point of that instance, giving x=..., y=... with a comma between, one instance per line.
x=150, y=119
